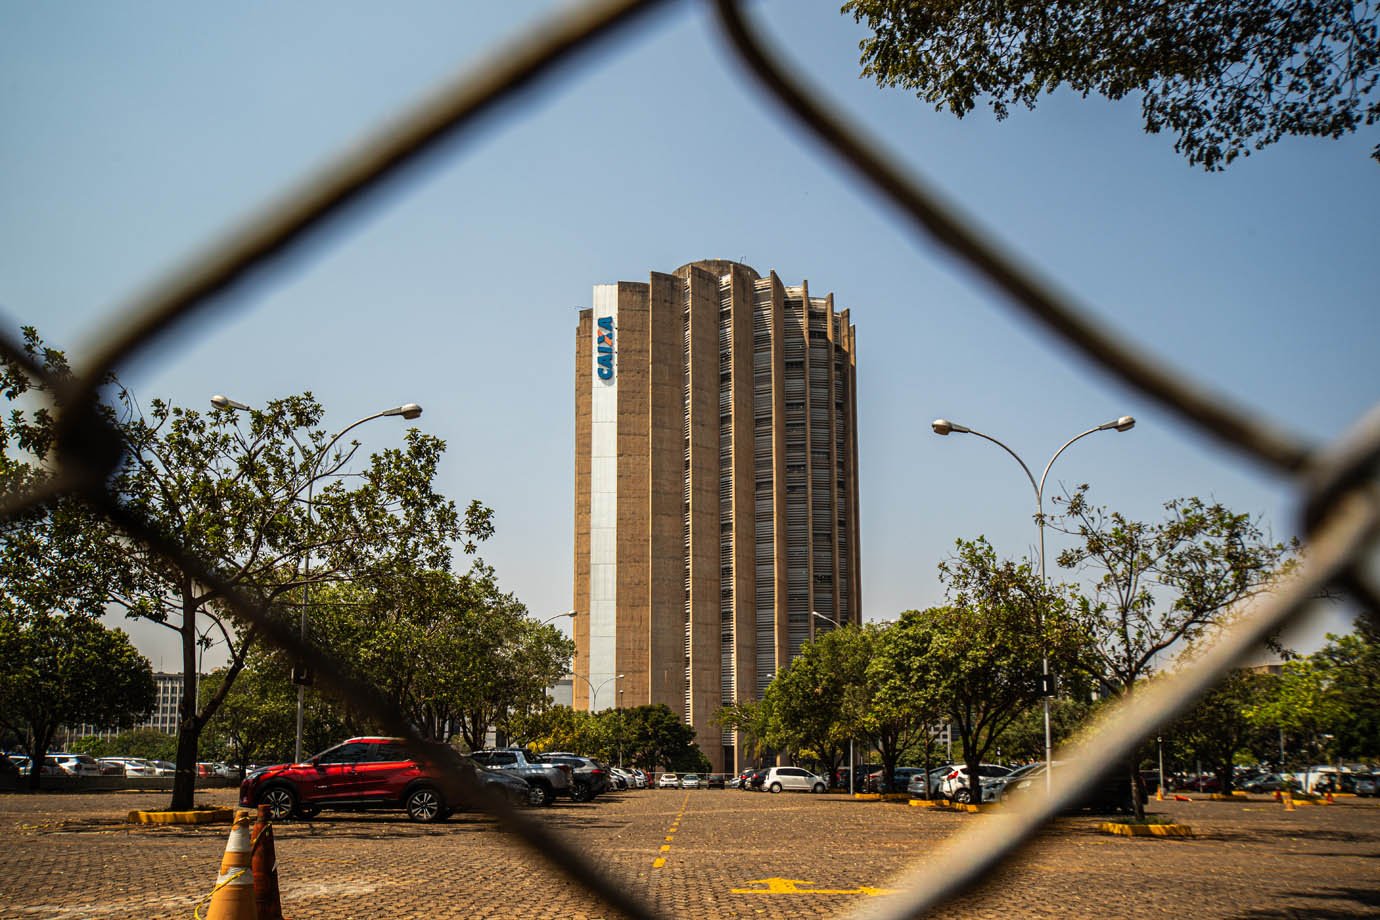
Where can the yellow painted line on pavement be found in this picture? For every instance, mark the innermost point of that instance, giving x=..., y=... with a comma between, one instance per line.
x=670, y=833
x=794, y=886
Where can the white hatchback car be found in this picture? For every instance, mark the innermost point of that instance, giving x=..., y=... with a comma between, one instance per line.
x=668, y=781
x=793, y=779
x=954, y=785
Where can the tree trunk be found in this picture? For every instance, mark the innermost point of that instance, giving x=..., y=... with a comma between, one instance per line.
x=1224, y=778
x=188, y=726
x=38, y=752
x=1137, y=807
x=184, y=779
x=974, y=778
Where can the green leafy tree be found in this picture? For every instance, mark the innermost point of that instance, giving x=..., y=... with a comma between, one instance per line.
x=1224, y=76
x=807, y=701
x=977, y=661
x=750, y=719
x=559, y=728
x=1306, y=706
x=257, y=721
x=61, y=670
x=1161, y=585
x=660, y=739
x=256, y=504
x=1352, y=666
x=59, y=557
x=1221, y=723
x=456, y=653
x=1024, y=738
x=251, y=503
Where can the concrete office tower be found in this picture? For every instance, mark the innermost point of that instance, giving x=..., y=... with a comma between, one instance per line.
x=716, y=489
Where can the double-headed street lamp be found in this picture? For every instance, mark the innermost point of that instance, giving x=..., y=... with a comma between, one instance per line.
x=594, y=691
x=407, y=411
x=943, y=426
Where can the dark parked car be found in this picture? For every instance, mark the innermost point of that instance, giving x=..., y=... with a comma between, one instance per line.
x=900, y=779
x=752, y=779
x=513, y=788
x=361, y=773
x=588, y=776
x=1110, y=792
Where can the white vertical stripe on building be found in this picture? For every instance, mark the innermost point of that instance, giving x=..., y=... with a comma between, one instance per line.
x=603, y=506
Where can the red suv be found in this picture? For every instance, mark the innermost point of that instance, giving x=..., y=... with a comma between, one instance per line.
x=360, y=773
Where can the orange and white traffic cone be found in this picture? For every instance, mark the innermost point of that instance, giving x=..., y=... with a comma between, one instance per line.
x=1288, y=801
x=233, y=896
x=1159, y=793
x=1330, y=799
x=264, y=861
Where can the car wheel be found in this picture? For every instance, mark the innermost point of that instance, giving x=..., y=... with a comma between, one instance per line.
x=281, y=802
x=775, y=787
x=424, y=804
x=963, y=796
x=580, y=793
x=819, y=787
x=540, y=794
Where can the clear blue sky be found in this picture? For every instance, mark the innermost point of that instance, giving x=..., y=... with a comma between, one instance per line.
x=134, y=132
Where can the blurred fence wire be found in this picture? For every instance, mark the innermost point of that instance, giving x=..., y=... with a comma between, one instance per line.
x=1335, y=484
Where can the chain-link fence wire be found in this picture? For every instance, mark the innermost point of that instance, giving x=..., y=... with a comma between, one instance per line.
x=1338, y=500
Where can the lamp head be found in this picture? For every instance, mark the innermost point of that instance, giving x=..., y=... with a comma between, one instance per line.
x=1125, y=423
x=944, y=426
x=220, y=401
x=407, y=411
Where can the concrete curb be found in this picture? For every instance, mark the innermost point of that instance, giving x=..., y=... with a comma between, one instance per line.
x=1145, y=830
x=197, y=816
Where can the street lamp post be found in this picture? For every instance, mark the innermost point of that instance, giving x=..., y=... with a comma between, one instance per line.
x=407, y=411
x=852, y=767
x=560, y=616
x=943, y=426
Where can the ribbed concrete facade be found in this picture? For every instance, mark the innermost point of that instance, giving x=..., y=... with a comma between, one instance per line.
x=716, y=489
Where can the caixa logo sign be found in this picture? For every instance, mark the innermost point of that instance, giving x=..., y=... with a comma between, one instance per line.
x=603, y=348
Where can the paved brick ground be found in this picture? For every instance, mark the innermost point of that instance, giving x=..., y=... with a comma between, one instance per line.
x=71, y=856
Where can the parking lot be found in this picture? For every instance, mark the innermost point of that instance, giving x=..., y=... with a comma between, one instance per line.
x=708, y=853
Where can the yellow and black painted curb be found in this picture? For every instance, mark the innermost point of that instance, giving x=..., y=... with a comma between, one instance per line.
x=945, y=805
x=195, y=816
x=1145, y=830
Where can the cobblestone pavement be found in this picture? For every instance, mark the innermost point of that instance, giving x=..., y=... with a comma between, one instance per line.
x=701, y=854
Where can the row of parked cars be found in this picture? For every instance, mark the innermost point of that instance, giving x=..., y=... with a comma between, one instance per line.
x=947, y=781
x=380, y=773
x=64, y=764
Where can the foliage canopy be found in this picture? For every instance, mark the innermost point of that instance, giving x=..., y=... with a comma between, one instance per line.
x=1224, y=76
